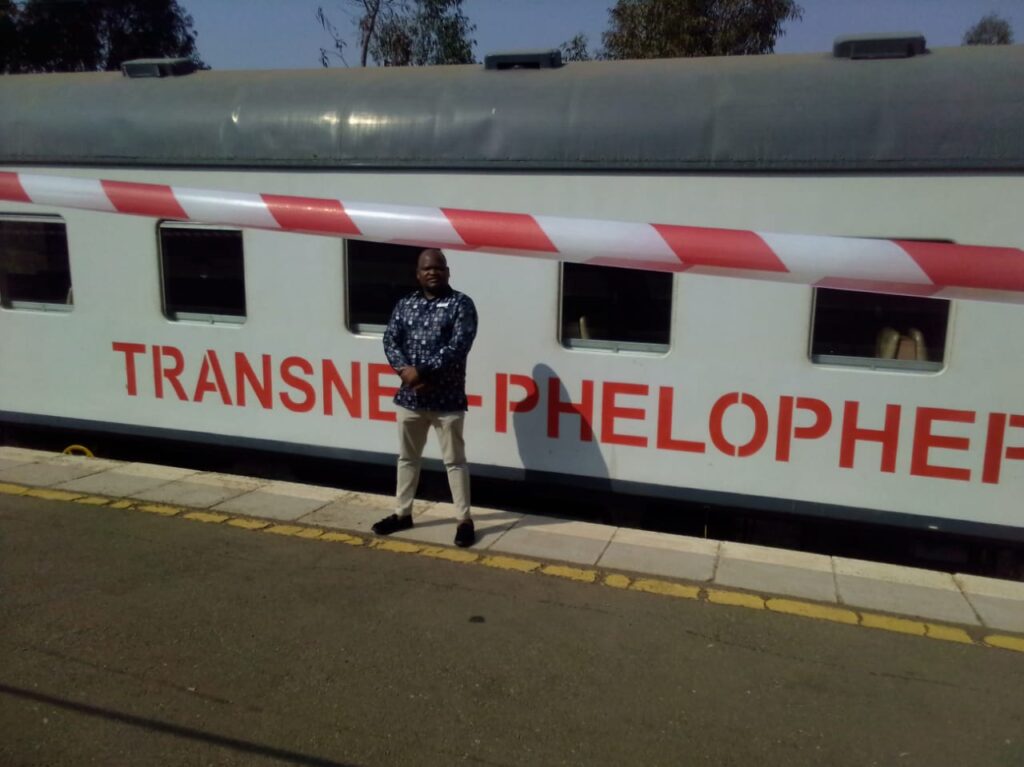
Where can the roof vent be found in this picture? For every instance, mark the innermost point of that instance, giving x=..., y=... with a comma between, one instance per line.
x=551, y=59
x=158, y=67
x=892, y=45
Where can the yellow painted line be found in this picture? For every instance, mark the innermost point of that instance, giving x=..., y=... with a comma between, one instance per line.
x=248, y=524
x=1005, y=642
x=284, y=529
x=888, y=623
x=665, y=588
x=616, y=581
x=811, y=610
x=571, y=573
x=93, y=500
x=206, y=516
x=450, y=555
x=351, y=540
x=510, y=563
x=399, y=547
x=735, y=599
x=156, y=508
x=53, y=495
x=948, y=633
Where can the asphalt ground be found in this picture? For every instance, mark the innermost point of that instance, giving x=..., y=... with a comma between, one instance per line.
x=130, y=638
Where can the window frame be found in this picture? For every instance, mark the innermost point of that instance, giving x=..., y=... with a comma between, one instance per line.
x=42, y=306
x=880, y=364
x=640, y=348
x=201, y=318
x=372, y=329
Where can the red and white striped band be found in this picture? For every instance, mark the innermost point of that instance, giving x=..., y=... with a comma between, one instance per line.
x=884, y=266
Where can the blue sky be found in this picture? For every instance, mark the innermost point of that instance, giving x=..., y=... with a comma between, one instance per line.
x=284, y=34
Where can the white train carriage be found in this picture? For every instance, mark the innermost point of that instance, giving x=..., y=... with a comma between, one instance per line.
x=814, y=399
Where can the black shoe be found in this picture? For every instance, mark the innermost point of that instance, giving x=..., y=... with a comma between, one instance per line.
x=392, y=524
x=465, y=534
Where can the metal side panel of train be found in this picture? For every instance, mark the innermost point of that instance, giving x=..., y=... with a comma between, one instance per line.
x=764, y=394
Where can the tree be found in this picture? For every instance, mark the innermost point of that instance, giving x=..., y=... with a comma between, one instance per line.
x=647, y=29
x=434, y=32
x=88, y=35
x=406, y=32
x=576, y=49
x=371, y=14
x=990, y=30
x=8, y=35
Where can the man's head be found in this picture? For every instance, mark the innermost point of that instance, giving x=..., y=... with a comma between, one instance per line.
x=432, y=272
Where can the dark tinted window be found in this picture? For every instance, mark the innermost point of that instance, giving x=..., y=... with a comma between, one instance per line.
x=203, y=273
x=377, y=275
x=34, y=268
x=878, y=329
x=611, y=307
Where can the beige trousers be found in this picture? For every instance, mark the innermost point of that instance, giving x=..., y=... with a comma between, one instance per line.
x=413, y=426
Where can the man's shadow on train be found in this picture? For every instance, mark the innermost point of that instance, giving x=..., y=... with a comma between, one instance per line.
x=567, y=464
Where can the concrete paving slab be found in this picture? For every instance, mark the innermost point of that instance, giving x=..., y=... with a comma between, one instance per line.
x=999, y=604
x=24, y=454
x=567, y=527
x=437, y=525
x=201, y=491
x=356, y=511
x=127, y=479
x=774, y=571
x=19, y=456
x=55, y=470
x=674, y=556
x=285, y=501
x=10, y=463
x=308, y=492
x=669, y=541
x=155, y=471
x=537, y=541
x=907, y=591
x=902, y=590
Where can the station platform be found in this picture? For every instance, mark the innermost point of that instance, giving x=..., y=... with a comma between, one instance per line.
x=947, y=606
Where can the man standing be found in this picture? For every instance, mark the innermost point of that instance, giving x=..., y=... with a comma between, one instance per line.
x=427, y=341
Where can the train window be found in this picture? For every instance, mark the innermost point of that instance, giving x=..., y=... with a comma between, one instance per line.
x=608, y=307
x=202, y=273
x=878, y=330
x=378, y=274
x=34, y=268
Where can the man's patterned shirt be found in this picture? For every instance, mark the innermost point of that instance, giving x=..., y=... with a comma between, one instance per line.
x=434, y=336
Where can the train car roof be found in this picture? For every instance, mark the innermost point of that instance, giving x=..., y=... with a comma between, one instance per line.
x=949, y=109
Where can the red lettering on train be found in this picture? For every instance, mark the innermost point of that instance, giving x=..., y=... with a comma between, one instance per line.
x=665, y=440
x=377, y=391
x=308, y=401
x=888, y=436
x=204, y=385
x=584, y=409
x=171, y=374
x=611, y=410
x=925, y=440
x=504, y=406
x=625, y=408
x=757, y=439
x=351, y=396
x=263, y=387
x=994, y=452
x=787, y=432
x=129, y=351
